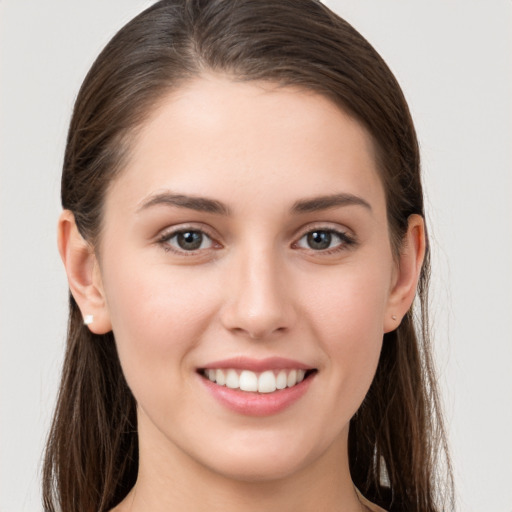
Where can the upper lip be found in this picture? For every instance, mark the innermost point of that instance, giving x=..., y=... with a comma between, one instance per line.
x=258, y=365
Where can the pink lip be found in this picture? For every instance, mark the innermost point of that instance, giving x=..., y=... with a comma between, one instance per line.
x=258, y=365
x=256, y=404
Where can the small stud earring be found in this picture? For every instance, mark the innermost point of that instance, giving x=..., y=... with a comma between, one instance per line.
x=393, y=317
x=88, y=319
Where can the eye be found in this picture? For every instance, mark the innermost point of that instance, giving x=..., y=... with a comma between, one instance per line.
x=324, y=240
x=186, y=240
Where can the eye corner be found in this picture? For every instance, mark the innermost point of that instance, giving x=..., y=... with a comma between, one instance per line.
x=174, y=240
x=328, y=234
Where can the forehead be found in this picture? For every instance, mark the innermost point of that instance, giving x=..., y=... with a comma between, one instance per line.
x=226, y=139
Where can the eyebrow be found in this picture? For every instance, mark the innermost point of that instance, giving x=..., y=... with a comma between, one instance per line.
x=330, y=201
x=201, y=204
x=204, y=204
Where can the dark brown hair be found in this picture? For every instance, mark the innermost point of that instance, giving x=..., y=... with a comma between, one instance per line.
x=396, y=442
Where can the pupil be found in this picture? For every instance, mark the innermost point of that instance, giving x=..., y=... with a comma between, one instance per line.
x=190, y=240
x=319, y=239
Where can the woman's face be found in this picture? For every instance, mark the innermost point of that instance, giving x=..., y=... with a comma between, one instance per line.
x=247, y=240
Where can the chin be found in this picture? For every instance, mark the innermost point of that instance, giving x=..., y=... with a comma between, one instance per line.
x=262, y=460
x=258, y=469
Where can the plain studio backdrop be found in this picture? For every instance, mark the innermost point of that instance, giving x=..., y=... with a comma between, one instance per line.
x=453, y=60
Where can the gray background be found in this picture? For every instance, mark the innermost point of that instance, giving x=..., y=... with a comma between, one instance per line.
x=453, y=59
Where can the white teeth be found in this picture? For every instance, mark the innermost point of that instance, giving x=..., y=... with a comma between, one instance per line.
x=281, y=380
x=220, y=378
x=248, y=381
x=232, y=380
x=266, y=382
x=292, y=378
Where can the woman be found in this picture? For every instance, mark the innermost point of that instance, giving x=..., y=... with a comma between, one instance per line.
x=243, y=233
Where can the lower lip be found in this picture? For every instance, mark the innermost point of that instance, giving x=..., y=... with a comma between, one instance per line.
x=257, y=404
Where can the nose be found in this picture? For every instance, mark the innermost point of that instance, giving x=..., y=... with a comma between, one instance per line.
x=259, y=299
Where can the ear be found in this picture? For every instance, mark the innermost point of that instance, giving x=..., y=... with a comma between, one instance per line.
x=407, y=273
x=83, y=273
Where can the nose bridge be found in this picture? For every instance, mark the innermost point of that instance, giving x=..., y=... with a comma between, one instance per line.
x=258, y=303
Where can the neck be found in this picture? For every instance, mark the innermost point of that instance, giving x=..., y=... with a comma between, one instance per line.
x=170, y=479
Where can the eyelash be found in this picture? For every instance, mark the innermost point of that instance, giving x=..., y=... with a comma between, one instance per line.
x=346, y=241
x=166, y=237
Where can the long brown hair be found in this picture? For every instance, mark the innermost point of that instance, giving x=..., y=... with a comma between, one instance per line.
x=396, y=441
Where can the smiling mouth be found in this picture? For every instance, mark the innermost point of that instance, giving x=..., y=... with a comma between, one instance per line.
x=268, y=381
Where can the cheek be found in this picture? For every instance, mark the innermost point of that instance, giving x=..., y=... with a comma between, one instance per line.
x=158, y=315
x=349, y=305
x=348, y=321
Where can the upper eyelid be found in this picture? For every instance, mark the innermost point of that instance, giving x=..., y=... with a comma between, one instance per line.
x=340, y=230
x=347, y=239
x=169, y=232
x=324, y=228
x=164, y=237
x=163, y=240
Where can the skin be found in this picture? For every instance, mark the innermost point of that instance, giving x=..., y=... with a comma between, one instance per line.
x=255, y=288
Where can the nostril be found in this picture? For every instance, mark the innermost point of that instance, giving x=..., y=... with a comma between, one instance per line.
x=258, y=306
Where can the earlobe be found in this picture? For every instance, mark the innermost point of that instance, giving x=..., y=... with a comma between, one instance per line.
x=408, y=273
x=83, y=274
